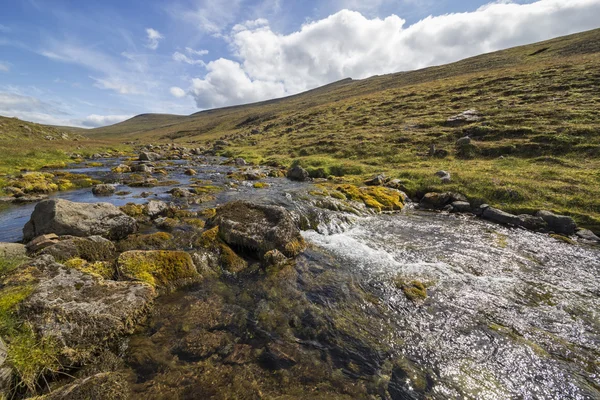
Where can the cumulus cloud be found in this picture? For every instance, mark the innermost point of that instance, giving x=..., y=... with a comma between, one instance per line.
x=4, y=67
x=348, y=44
x=180, y=57
x=153, y=37
x=177, y=92
x=95, y=121
x=227, y=83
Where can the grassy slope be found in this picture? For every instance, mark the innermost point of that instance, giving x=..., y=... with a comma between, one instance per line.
x=540, y=107
x=26, y=146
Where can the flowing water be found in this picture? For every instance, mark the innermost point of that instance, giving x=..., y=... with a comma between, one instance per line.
x=508, y=313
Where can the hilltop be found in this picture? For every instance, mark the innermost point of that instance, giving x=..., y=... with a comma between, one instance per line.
x=535, y=141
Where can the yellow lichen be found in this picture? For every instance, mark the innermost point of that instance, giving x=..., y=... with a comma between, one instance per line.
x=379, y=198
x=98, y=268
x=260, y=185
x=133, y=210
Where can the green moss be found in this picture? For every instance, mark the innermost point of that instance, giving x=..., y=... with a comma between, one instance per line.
x=563, y=238
x=260, y=185
x=99, y=268
x=94, y=164
x=153, y=241
x=8, y=264
x=208, y=213
x=157, y=268
x=32, y=358
x=228, y=259
x=378, y=198
x=133, y=210
x=414, y=290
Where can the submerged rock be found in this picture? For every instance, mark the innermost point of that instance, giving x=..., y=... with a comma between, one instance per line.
x=258, y=228
x=106, y=385
x=64, y=217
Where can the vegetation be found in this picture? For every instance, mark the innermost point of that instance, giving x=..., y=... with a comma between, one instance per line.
x=536, y=145
x=157, y=268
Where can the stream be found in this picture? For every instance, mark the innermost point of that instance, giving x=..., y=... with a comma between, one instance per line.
x=508, y=313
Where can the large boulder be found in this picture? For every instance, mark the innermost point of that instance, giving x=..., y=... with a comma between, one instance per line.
x=64, y=217
x=94, y=248
x=298, y=173
x=82, y=312
x=558, y=223
x=258, y=228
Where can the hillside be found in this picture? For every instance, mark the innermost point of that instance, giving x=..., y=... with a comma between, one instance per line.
x=536, y=143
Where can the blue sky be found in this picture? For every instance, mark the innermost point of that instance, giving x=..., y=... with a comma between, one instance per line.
x=89, y=64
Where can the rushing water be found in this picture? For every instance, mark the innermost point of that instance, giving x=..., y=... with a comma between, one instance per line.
x=509, y=313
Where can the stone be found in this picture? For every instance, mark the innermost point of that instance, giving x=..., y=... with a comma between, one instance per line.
x=461, y=207
x=148, y=156
x=587, y=235
x=258, y=228
x=532, y=222
x=437, y=201
x=30, y=198
x=240, y=162
x=466, y=117
x=42, y=242
x=82, y=312
x=444, y=176
x=156, y=208
x=5, y=372
x=463, y=141
x=121, y=169
x=190, y=172
x=144, y=168
x=558, y=223
x=103, y=190
x=298, y=173
x=159, y=268
x=64, y=217
x=93, y=248
x=12, y=250
x=179, y=192
x=501, y=217
x=378, y=180
x=274, y=258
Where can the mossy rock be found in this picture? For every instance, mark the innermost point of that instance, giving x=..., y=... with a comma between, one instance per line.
x=413, y=290
x=163, y=269
x=211, y=241
x=375, y=197
x=101, y=269
x=153, y=241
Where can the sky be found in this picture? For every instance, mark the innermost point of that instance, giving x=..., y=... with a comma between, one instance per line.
x=96, y=63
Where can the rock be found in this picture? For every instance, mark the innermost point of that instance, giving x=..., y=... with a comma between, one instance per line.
x=105, y=385
x=463, y=141
x=121, y=169
x=221, y=143
x=558, y=223
x=93, y=248
x=437, y=201
x=64, y=217
x=148, y=156
x=31, y=198
x=156, y=208
x=378, y=180
x=240, y=162
x=190, y=172
x=5, y=372
x=444, y=176
x=532, y=223
x=258, y=228
x=463, y=118
x=12, y=250
x=298, y=173
x=274, y=257
x=179, y=192
x=159, y=268
x=84, y=313
x=461, y=207
x=42, y=242
x=144, y=168
x=501, y=217
x=587, y=236
x=103, y=190
x=479, y=210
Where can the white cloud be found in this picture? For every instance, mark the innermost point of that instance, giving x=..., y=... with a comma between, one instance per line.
x=154, y=37
x=212, y=16
x=95, y=121
x=4, y=67
x=177, y=92
x=227, y=83
x=180, y=57
x=347, y=44
x=193, y=52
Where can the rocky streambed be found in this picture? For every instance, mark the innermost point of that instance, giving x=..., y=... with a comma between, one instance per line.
x=213, y=280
